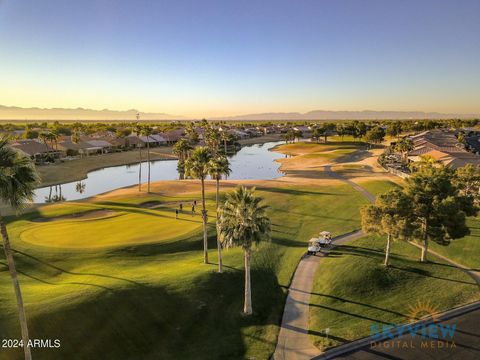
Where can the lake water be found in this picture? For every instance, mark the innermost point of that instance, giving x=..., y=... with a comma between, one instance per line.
x=251, y=162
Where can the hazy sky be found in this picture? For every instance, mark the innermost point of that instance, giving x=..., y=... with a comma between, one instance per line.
x=225, y=57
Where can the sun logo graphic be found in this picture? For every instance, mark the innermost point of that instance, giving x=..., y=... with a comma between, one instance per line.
x=422, y=310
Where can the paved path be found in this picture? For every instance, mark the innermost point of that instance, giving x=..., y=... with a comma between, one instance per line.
x=293, y=340
x=335, y=175
x=473, y=273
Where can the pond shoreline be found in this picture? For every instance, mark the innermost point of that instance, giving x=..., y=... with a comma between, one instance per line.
x=110, y=178
x=165, y=155
x=82, y=174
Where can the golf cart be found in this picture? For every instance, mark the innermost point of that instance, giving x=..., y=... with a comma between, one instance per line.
x=313, y=246
x=325, y=239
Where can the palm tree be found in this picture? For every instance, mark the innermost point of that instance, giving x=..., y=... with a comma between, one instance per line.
x=182, y=149
x=197, y=166
x=218, y=167
x=44, y=137
x=212, y=139
x=147, y=131
x=138, y=131
x=192, y=135
x=225, y=137
x=54, y=135
x=243, y=222
x=18, y=179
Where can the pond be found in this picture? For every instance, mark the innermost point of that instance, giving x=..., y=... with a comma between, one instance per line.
x=251, y=162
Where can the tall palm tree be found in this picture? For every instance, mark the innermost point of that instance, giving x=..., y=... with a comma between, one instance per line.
x=182, y=149
x=225, y=137
x=219, y=166
x=18, y=179
x=197, y=166
x=54, y=136
x=44, y=137
x=147, y=131
x=138, y=131
x=212, y=139
x=243, y=222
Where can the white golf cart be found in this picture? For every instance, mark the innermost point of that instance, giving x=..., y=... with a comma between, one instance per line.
x=315, y=245
x=325, y=238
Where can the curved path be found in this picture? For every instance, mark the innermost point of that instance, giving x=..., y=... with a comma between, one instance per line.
x=333, y=174
x=474, y=274
x=293, y=340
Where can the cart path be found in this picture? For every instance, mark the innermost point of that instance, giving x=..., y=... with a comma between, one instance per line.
x=293, y=340
x=474, y=274
x=370, y=197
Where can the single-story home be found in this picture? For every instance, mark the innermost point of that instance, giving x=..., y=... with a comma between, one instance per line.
x=35, y=149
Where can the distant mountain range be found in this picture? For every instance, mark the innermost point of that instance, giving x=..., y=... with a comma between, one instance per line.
x=348, y=115
x=19, y=113
x=41, y=114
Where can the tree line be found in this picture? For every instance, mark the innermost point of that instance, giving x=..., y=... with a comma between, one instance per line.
x=433, y=206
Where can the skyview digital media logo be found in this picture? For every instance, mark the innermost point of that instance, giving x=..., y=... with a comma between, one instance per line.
x=426, y=335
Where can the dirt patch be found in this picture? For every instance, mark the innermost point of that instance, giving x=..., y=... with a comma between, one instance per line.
x=92, y=214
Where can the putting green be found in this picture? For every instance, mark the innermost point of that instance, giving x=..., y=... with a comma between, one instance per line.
x=123, y=228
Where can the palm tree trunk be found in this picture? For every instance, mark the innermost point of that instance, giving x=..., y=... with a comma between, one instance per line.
x=204, y=218
x=148, y=161
x=16, y=286
x=225, y=145
x=387, y=250
x=140, y=170
x=423, y=257
x=247, y=307
x=219, y=245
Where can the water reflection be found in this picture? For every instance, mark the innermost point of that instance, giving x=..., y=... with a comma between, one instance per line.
x=80, y=187
x=57, y=197
x=251, y=162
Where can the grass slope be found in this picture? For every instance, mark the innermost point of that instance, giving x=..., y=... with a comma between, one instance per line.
x=466, y=250
x=105, y=297
x=352, y=289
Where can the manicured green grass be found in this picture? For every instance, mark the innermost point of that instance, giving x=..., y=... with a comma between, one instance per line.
x=113, y=299
x=466, y=250
x=353, y=289
x=377, y=187
x=319, y=148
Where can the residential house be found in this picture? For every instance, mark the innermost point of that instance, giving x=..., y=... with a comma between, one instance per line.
x=443, y=146
x=35, y=149
x=172, y=136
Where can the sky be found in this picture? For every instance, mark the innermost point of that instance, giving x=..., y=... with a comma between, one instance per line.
x=208, y=58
